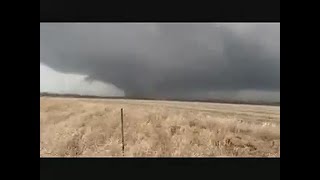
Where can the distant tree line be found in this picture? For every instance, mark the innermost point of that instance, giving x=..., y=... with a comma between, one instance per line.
x=164, y=99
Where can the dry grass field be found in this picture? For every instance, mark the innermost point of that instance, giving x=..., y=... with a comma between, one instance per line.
x=71, y=127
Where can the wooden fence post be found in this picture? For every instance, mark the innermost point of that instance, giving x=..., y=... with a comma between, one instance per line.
x=122, y=132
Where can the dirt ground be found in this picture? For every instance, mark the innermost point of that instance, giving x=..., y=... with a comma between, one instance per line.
x=71, y=127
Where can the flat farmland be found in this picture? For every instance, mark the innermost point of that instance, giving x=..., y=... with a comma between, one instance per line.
x=79, y=127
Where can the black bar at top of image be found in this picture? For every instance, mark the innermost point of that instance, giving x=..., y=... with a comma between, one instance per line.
x=160, y=11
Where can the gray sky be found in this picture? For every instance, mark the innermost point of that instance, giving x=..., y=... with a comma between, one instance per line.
x=180, y=60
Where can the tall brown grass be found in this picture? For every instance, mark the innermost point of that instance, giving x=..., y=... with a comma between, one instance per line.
x=91, y=128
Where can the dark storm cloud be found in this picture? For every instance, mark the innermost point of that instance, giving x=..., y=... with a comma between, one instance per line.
x=167, y=59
